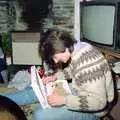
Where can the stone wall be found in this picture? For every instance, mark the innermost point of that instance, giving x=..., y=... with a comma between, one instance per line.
x=3, y=16
x=62, y=15
x=63, y=12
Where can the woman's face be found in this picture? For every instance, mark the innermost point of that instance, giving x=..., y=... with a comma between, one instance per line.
x=62, y=57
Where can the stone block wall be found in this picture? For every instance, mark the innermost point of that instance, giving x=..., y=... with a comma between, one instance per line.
x=62, y=15
x=3, y=16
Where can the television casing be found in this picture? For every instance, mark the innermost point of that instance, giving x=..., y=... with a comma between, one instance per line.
x=115, y=47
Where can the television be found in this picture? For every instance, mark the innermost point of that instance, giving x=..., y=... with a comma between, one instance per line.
x=100, y=23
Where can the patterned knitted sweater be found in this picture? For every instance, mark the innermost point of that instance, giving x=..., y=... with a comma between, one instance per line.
x=91, y=80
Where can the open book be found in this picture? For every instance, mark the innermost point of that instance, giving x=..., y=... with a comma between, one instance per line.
x=42, y=91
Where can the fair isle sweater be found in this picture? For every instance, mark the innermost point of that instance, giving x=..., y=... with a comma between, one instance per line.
x=91, y=80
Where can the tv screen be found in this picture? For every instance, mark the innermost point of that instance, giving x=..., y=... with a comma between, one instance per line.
x=100, y=23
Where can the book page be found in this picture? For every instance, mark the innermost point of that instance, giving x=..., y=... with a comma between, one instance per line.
x=38, y=87
x=60, y=87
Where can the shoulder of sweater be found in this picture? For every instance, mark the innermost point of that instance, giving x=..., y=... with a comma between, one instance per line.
x=84, y=47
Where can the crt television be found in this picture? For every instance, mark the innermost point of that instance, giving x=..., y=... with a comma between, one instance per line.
x=100, y=23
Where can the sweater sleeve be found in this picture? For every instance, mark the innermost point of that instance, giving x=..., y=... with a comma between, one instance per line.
x=94, y=91
x=87, y=101
x=89, y=98
x=91, y=79
x=109, y=85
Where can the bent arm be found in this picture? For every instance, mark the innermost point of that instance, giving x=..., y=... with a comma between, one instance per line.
x=94, y=89
x=86, y=102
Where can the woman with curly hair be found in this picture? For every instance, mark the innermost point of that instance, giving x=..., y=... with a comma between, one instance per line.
x=92, y=83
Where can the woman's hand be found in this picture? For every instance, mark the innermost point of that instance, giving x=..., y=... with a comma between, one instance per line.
x=56, y=100
x=47, y=79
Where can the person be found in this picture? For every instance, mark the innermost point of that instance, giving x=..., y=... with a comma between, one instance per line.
x=9, y=110
x=92, y=82
x=92, y=85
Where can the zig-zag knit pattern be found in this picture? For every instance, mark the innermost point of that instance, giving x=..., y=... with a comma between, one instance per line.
x=91, y=78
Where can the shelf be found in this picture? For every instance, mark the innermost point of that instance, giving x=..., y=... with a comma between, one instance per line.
x=110, y=54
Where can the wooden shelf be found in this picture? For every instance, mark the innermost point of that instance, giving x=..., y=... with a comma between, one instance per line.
x=110, y=54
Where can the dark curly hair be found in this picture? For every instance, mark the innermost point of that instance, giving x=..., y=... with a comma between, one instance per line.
x=54, y=41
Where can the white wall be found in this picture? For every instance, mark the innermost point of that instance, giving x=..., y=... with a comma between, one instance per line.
x=77, y=20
